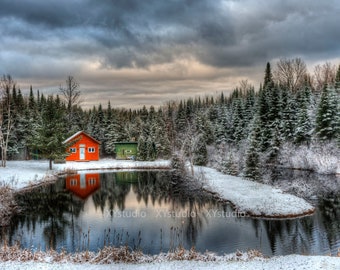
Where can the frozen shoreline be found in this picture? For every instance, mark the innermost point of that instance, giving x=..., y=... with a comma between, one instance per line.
x=253, y=198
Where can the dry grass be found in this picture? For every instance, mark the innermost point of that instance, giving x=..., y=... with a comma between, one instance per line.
x=7, y=205
x=124, y=254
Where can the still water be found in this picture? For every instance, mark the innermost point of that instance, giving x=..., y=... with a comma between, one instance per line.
x=148, y=211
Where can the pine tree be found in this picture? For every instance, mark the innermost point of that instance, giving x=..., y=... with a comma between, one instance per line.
x=252, y=165
x=142, y=149
x=289, y=118
x=230, y=167
x=200, y=154
x=327, y=119
x=49, y=132
x=303, y=132
x=237, y=121
x=263, y=117
x=268, y=76
x=337, y=89
x=337, y=81
x=31, y=100
x=160, y=136
x=180, y=120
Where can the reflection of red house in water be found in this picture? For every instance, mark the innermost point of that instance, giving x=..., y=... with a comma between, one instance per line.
x=83, y=185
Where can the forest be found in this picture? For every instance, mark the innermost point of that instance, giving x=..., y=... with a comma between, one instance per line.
x=292, y=120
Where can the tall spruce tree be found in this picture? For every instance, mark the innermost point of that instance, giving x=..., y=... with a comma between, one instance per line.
x=49, y=132
x=252, y=168
x=327, y=123
x=268, y=76
x=303, y=131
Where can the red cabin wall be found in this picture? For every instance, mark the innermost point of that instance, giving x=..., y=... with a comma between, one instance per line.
x=82, y=139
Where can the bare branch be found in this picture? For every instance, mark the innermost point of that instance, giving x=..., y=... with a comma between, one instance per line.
x=290, y=73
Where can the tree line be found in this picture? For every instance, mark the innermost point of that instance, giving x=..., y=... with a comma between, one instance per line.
x=291, y=106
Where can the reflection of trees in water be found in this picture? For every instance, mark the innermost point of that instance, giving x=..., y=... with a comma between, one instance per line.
x=56, y=210
x=110, y=193
x=50, y=206
x=293, y=234
x=296, y=235
x=330, y=216
x=155, y=187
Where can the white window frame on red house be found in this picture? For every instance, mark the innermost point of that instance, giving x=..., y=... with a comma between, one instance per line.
x=91, y=149
x=73, y=150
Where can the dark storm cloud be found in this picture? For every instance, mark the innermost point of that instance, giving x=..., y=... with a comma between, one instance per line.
x=161, y=39
x=132, y=33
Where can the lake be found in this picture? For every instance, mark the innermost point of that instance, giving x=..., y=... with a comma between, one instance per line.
x=148, y=211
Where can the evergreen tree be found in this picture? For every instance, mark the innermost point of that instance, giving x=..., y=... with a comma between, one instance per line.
x=327, y=119
x=289, y=117
x=31, y=100
x=268, y=76
x=200, y=154
x=337, y=81
x=263, y=117
x=303, y=131
x=142, y=148
x=180, y=120
x=337, y=89
x=49, y=132
x=252, y=165
x=230, y=167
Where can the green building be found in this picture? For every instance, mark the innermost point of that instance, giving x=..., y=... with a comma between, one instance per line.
x=126, y=150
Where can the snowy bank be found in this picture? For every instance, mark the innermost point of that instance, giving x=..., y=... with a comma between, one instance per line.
x=290, y=262
x=254, y=198
x=19, y=174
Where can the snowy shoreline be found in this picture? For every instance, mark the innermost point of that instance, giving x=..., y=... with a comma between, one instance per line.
x=231, y=261
x=21, y=174
x=252, y=198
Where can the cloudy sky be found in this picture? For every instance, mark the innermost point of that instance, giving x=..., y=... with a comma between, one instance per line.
x=146, y=52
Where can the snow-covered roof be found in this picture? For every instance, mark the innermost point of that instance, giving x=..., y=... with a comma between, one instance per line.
x=77, y=134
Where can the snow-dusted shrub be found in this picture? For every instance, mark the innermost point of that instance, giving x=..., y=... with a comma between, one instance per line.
x=226, y=158
x=7, y=204
x=319, y=157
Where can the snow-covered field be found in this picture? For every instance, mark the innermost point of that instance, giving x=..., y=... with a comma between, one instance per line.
x=252, y=197
x=290, y=262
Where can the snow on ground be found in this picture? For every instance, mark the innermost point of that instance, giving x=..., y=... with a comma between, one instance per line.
x=252, y=197
x=290, y=262
x=20, y=174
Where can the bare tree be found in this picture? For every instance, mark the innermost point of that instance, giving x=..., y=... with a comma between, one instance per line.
x=324, y=74
x=245, y=86
x=71, y=95
x=290, y=73
x=6, y=117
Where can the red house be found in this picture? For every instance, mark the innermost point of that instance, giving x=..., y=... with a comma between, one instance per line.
x=84, y=148
x=83, y=185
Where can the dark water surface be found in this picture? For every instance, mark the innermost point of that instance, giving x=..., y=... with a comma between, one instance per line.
x=148, y=211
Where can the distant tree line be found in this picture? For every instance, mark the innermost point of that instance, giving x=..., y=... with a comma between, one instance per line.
x=291, y=106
